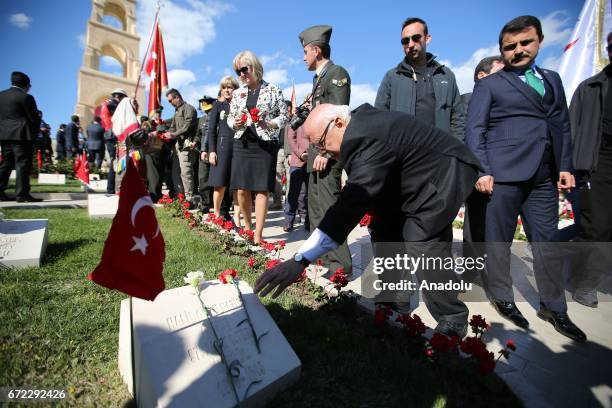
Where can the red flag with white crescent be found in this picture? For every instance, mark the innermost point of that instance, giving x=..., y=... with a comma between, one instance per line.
x=155, y=68
x=134, y=252
x=82, y=172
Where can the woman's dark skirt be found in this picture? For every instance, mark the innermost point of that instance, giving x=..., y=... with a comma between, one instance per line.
x=220, y=175
x=253, y=164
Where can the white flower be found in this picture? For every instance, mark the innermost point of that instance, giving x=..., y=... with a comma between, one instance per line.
x=222, y=115
x=194, y=278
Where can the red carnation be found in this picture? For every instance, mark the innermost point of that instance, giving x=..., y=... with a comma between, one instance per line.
x=303, y=276
x=414, y=325
x=186, y=204
x=366, y=220
x=381, y=315
x=254, y=112
x=272, y=263
x=440, y=342
x=281, y=244
x=510, y=345
x=487, y=363
x=180, y=197
x=339, y=278
x=251, y=262
x=429, y=353
x=228, y=225
x=243, y=118
x=228, y=275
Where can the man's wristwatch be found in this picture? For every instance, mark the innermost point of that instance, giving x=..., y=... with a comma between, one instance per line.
x=300, y=258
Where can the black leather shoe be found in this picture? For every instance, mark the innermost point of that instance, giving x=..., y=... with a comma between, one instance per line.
x=28, y=199
x=509, y=311
x=562, y=323
x=452, y=328
x=4, y=197
x=288, y=226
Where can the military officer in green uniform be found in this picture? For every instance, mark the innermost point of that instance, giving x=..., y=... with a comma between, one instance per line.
x=331, y=84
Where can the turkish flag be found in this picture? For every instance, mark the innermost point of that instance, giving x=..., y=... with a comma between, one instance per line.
x=38, y=159
x=134, y=252
x=155, y=67
x=82, y=172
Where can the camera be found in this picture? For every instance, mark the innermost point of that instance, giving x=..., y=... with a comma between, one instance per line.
x=301, y=113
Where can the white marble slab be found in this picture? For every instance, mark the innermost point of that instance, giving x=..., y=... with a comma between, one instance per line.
x=23, y=242
x=48, y=178
x=175, y=360
x=102, y=205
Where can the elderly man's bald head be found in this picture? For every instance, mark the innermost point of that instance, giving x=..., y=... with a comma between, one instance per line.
x=325, y=127
x=320, y=117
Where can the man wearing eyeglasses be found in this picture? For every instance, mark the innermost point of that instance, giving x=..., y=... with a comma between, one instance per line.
x=413, y=176
x=518, y=127
x=591, y=121
x=421, y=86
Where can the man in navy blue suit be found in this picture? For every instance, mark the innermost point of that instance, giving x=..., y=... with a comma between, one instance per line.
x=518, y=127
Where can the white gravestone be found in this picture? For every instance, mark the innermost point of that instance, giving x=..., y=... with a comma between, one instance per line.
x=23, y=242
x=99, y=186
x=102, y=205
x=47, y=178
x=176, y=362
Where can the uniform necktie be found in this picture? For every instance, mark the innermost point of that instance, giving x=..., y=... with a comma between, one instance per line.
x=534, y=82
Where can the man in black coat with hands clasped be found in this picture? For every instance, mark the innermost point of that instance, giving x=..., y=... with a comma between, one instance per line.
x=412, y=176
x=19, y=126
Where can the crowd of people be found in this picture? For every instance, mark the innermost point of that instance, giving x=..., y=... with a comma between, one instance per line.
x=507, y=149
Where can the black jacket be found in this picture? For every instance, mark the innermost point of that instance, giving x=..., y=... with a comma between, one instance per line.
x=586, y=113
x=72, y=136
x=95, y=137
x=402, y=169
x=19, y=120
x=397, y=92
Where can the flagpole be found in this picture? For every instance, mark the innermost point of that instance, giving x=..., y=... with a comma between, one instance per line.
x=148, y=48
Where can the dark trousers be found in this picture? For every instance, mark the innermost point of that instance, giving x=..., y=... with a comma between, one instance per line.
x=474, y=229
x=595, y=197
x=112, y=153
x=323, y=191
x=18, y=156
x=157, y=172
x=205, y=191
x=536, y=201
x=388, y=242
x=95, y=156
x=297, y=196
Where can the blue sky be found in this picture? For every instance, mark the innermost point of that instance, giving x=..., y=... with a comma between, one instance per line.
x=45, y=40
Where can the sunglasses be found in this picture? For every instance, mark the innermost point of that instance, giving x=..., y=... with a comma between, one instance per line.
x=321, y=143
x=415, y=38
x=243, y=70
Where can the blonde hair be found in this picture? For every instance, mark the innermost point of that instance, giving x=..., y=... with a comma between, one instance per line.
x=249, y=58
x=228, y=81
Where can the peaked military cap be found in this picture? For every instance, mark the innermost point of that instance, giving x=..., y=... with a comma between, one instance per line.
x=316, y=34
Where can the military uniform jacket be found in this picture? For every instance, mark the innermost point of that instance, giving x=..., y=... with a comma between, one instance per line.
x=405, y=171
x=332, y=85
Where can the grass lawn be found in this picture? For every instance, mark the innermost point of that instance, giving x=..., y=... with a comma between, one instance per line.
x=71, y=186
x=60, y=331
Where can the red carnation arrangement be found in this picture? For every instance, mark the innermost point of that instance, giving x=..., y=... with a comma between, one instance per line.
x=254, y=112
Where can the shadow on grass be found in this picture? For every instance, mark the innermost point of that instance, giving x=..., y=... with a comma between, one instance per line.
x=56, y=251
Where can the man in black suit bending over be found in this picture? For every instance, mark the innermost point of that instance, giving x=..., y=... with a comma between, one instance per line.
x=19, y=126
x=411, y=175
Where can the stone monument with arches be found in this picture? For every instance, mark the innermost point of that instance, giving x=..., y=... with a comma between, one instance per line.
x=103, y=40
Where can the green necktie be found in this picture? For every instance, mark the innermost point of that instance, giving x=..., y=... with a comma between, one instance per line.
x=534, y=82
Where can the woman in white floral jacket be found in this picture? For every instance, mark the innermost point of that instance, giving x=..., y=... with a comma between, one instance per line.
x=257, y=113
